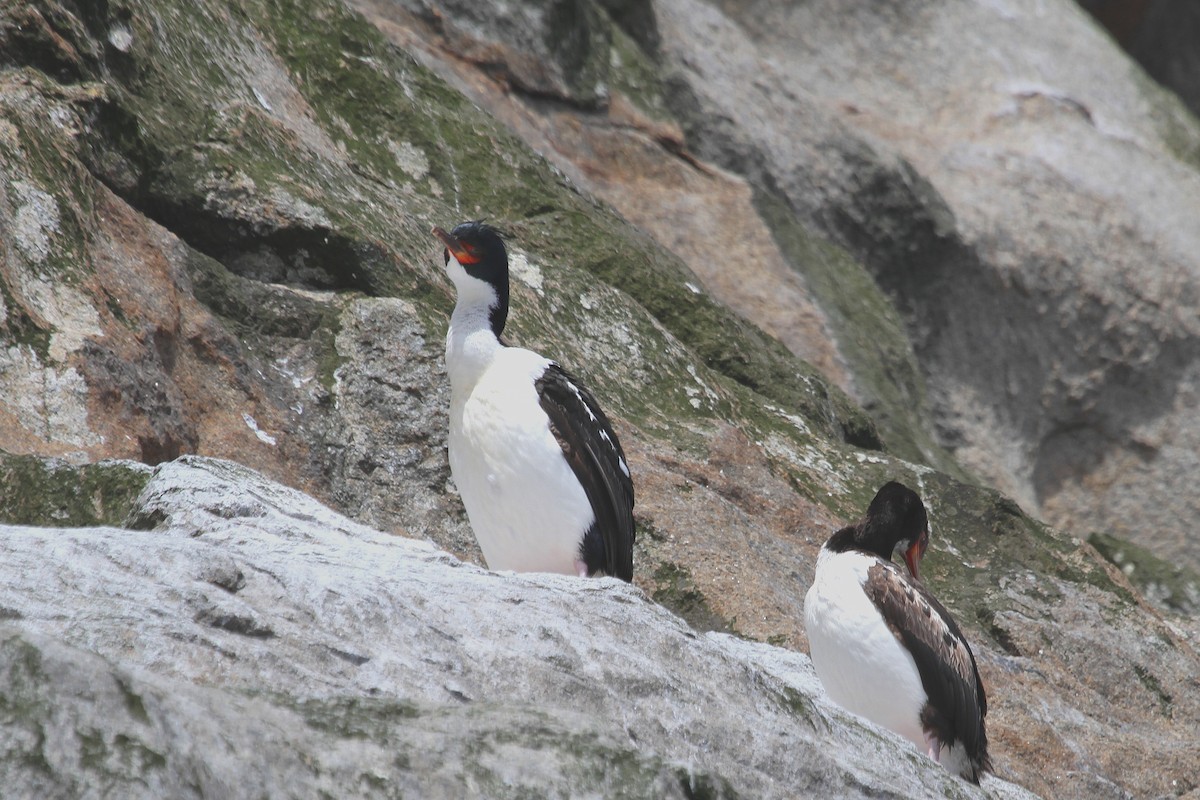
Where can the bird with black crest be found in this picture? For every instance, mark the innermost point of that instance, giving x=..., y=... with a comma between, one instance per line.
x=882, y=644
x=539, y=468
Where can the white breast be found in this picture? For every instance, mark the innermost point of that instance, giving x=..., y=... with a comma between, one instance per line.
x=858, y=659
x=526, y=507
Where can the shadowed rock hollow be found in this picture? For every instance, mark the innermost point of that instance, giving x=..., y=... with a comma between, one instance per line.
x=214, y=240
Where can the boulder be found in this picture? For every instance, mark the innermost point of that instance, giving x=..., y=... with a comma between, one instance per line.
x=242, y=640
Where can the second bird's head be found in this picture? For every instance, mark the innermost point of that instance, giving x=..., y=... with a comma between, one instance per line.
x=897, y=522
x=477, y=262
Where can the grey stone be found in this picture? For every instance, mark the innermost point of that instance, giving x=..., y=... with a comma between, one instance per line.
x=360, y=664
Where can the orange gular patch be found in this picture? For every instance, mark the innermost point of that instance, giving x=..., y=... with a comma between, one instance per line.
x=463, y=253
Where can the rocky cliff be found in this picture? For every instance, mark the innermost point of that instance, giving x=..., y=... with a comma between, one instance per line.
x=797, y=251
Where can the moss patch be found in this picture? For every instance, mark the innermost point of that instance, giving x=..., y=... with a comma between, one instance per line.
x=798, y=704
x=982, y=527
x=1176, y=124
x=48, y=191
x=1163, y=583
x=586, y=760
x=1152, y=685
x=25, y=706
x=48, y=203
x=675, y=589
x=488, y=733
x=21, y=329
x=869, y=332
x=600, y=243
x=48, y=492
x=118, y=757
x=356, y=717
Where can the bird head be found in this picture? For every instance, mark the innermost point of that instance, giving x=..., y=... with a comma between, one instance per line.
x=897, y=521
x=477, y=262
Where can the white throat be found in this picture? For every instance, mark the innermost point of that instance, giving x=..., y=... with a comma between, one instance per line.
x=471, y=345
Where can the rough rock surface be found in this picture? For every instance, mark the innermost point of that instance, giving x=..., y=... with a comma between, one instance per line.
x=253, y=643
x=1027, y=202
x=1009, y=177
x=214, y=239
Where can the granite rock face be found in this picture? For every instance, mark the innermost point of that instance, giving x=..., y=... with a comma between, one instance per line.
x=214, y=240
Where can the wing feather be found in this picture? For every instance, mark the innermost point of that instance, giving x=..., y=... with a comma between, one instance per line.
x=949, y=675
x=591, y=448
